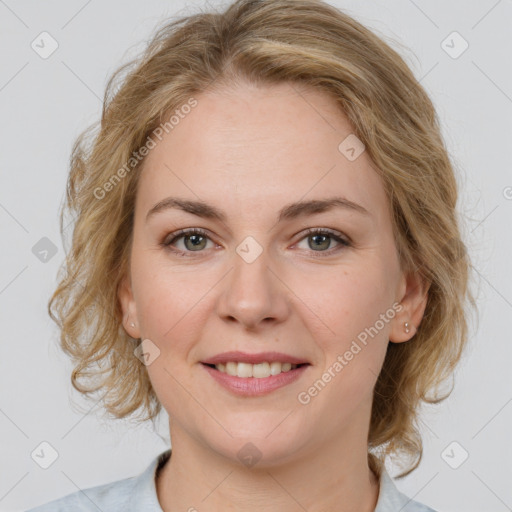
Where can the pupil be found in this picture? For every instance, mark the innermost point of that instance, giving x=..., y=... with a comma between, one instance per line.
x=324, y=237
x=195, y=239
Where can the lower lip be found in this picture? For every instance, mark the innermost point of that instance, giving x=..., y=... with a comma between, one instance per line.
x=251, y=386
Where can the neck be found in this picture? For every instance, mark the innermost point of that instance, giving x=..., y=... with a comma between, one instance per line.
x=331, y=476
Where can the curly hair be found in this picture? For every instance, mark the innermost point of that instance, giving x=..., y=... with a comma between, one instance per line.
x=266, y=42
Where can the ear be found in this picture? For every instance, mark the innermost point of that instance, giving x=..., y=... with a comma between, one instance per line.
x=128, y=307
x=414, y=295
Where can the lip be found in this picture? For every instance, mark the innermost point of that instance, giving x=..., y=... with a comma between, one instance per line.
x=261, y=357
x=252, y=386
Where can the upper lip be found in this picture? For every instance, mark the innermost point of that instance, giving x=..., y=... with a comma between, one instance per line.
x=260, y=357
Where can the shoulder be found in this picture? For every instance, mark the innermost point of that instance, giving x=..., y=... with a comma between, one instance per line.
x=111, y=496
x=391, y=499
x=136, y=493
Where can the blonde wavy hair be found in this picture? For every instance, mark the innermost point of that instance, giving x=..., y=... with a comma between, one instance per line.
x=304, y=42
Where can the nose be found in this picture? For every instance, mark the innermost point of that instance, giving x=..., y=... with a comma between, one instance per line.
x=253, y=294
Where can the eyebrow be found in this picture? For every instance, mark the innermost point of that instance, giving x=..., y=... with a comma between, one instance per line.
x=291, y=211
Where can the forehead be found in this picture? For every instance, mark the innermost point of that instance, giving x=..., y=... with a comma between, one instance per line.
x=246, y=147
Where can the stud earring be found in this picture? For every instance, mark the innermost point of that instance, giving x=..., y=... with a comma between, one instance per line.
x=132, y=324
x=406, y=326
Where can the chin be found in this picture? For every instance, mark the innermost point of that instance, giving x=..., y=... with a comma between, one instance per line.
x=259, y=448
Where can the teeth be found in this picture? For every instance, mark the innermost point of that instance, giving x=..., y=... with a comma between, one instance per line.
x=261, y=370
x=258, y=371
x=244, y=370
x=275, y=367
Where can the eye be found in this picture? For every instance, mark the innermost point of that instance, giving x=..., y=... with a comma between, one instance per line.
x=320, y=241
x=194, y=240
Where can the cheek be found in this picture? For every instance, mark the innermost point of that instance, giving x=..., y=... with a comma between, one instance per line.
x=346, y=302
x=173, y=307
x=169, y=300
x=355, y=309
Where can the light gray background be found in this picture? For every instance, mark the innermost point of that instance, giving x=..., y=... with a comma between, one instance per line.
x=46, y=103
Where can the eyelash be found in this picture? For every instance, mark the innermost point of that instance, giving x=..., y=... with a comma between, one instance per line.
x=309, y=232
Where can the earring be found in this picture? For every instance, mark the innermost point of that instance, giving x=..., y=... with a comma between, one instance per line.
x=132, y=324
x=406, y=326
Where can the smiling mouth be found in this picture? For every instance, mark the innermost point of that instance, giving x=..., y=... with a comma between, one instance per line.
x=257, y=371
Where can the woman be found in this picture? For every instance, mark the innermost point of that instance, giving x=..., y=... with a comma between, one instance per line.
x=266, y=245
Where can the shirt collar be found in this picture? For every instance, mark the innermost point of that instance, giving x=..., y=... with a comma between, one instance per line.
x=144, y=495
x=390, y=498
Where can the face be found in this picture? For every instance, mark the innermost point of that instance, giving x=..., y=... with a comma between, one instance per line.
x=310, y=284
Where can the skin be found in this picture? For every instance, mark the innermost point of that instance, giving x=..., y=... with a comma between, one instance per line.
x=250, y=151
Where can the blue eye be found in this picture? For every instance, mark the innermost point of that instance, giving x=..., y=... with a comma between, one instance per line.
x=195, y=236
x=195, y=240
x=322, y=240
